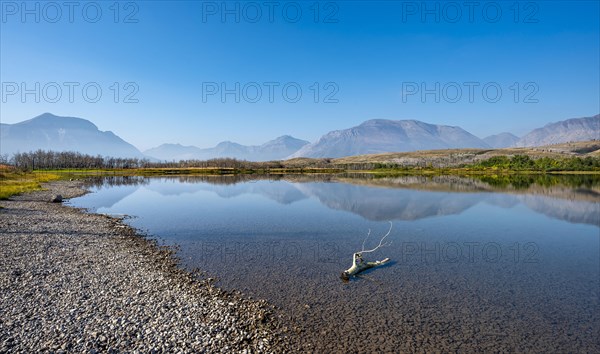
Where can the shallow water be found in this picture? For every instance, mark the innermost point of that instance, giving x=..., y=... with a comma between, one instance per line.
x=477, y=264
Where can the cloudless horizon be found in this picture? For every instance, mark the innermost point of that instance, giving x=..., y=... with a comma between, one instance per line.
x=353, y=61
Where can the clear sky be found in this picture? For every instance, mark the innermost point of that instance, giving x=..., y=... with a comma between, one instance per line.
x=172, y=60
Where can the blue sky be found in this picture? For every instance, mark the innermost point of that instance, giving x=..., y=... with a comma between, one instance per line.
x=368, y=60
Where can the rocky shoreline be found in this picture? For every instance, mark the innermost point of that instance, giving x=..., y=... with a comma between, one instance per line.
x=71, y=281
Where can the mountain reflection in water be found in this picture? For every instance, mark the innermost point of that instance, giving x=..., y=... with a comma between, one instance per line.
x=574, y=199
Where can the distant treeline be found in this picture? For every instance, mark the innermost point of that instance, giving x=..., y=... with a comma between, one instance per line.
x=509, y=163
x=526, y=163
x=62, y=160
x=74, y=160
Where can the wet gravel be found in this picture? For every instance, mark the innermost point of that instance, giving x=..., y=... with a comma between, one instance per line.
x=71, y=281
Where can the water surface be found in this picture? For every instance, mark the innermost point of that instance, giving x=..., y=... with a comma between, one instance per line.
x=477, y=264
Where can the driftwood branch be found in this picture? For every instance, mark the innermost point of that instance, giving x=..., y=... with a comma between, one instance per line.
x=359, y=264
x=381, y=244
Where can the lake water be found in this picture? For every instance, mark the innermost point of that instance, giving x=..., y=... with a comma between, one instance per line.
x=505, y=264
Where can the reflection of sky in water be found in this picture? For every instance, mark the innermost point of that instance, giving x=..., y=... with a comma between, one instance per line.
x=509, y=256
x=192, y=204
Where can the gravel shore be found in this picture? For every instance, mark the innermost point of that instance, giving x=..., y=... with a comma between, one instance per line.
x=72, y=281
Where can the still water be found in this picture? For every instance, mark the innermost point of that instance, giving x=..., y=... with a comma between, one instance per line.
x=505, y=264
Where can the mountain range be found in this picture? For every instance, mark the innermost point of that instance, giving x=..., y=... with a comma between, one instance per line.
x=276, y=149
x=50, y=132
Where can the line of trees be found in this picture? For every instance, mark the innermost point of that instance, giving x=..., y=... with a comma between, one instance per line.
x=41, y=159
x=73, y=160
x=67, y=159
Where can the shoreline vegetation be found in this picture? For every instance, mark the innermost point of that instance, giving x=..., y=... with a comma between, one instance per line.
x=26, y=171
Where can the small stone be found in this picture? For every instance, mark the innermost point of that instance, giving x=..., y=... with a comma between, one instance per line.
x=56, y=198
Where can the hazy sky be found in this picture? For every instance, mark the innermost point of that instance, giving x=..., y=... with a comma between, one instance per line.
x=171, y=62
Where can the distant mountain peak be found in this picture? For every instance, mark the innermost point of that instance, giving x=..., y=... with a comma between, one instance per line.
x=50, y=120
x=175, y=145
x=51, y=132
x=384, y=135
x=502, y=140
x=375, y=121
x=228, y=143
x=570, y=130
x=45, y=115
x=286, y=139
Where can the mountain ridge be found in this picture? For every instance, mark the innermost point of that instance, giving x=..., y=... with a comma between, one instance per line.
x=50, y=132
x=275, y=149
x=502, y=140
x=383, y=135
x=564, y=131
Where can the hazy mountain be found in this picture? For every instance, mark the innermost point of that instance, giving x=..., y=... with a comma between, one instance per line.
x=501, y=140
x=281, y=147
x=168, y=152
x=380, y=135
x=576, y=129
x=272, y=150
x=50, y=132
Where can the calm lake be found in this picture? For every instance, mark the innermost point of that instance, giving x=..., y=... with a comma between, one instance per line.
x=505, y=264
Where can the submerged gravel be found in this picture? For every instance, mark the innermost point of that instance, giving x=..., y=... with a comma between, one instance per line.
x=71, y=281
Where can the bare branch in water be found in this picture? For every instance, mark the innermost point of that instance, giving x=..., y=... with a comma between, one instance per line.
x=359, y=264
x=365, y=240
x=381, y=244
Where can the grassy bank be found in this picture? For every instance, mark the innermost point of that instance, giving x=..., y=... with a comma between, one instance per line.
x=14, y=182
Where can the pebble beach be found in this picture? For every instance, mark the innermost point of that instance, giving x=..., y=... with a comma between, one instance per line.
x=72, y=281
